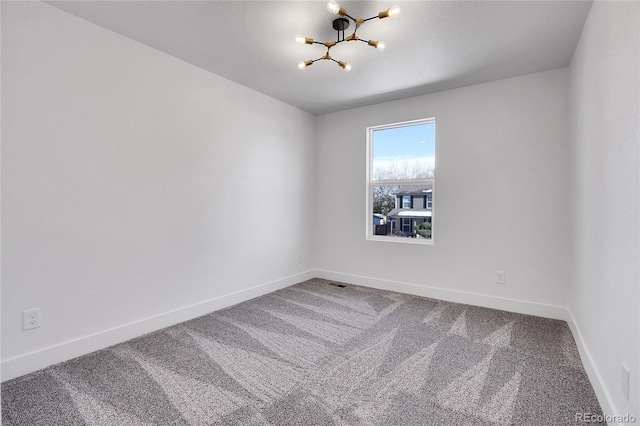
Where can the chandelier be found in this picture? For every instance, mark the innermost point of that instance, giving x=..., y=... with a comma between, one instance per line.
x=340, y=25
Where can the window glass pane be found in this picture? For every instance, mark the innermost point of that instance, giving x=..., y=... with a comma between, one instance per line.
x=406, y=152
x=392, y=218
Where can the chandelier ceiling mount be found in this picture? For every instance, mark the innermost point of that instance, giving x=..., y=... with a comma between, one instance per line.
x=340, y=24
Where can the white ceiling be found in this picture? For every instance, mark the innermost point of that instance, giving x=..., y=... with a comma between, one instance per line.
x=430, y=46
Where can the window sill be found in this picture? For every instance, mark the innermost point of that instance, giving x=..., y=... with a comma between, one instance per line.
x=401, y=240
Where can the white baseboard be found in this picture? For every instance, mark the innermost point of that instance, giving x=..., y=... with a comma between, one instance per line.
x=494, y=302
x=604, y=397
x=42, y=358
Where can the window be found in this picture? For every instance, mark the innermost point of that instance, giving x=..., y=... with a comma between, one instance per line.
x=401, y=181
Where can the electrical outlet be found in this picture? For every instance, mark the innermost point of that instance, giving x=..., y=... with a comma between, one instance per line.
x=625, y=381
x=300, y=257
x=499, y=277
x=31, y=319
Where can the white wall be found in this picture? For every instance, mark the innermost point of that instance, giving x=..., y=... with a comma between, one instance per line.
x=604, y=296
x=500, y=200
x=134, y=184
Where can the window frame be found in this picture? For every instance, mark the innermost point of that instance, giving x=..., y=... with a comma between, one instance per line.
x=370, y=183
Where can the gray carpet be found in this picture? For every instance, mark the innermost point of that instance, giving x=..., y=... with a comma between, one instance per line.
x=319, y=354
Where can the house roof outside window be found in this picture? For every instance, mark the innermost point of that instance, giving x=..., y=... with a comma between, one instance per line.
x=410, y=213
x=415, y=190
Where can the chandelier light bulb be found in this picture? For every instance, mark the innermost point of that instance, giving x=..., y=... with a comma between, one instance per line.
x=304, y=40
x=345, y=66
x=333, y=7
x=392, y=12
x=377, y=44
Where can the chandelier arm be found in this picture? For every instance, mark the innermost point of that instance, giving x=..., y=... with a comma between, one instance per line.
x=350, y=17
x=315, y=60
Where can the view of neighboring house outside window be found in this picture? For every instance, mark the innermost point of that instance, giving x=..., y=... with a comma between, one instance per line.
x=401, y=181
